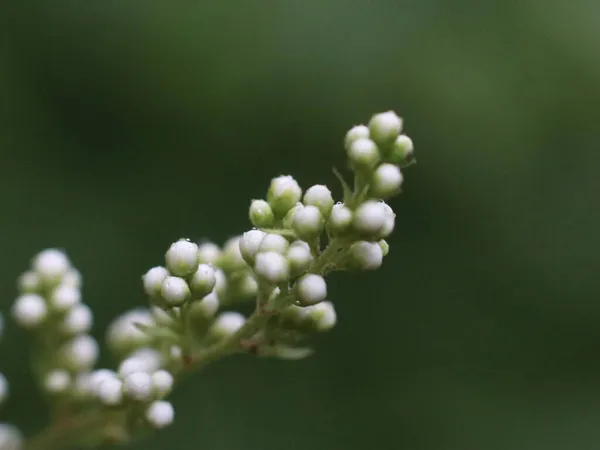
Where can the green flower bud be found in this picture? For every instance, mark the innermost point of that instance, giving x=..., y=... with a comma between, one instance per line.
x=319, y=196
x=250, y=244
x=201, y=310
x=355, y=133
x=311, y=289
x=288, y=219
x=386, y=181
x=272, y=242
x=363, y=155
x=271, y=267
x=299, y=257
x=402, y=151
x=308, y=222
x=30, y=283
x=175, y=291
x=284, y=192
x=322, y=315
x=153, y=280
x=261, y=215
x=385, y=127
x=340, y=219
x=203, y=281
x=182, y=258
x=231, y=259
x=365, y=255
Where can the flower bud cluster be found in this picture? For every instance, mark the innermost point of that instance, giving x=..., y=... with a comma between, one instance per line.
x=302, y=235
x=299, y=236
x=140, y=381
x=377, y=151
x=50, y=303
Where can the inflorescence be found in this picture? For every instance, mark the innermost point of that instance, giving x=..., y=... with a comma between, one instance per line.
x=280, y=265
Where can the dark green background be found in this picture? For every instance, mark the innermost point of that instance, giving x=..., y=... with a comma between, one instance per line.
x=125, y=125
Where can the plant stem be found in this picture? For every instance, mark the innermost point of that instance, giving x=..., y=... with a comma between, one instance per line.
x=64, y=434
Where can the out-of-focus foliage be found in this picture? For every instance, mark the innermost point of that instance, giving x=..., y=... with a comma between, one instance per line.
x=125, y=125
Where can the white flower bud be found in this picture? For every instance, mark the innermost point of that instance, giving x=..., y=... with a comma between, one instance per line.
x=308, y=222
x=319, y=196
x=72, y=278
x=29, y=310
x=153, y=280
x=299, y=257
x=311, y=289
x=402, y=151
x=182, y=258
x=288, y=219
x=203, y=281
x=57, y=381
x=110, y=391
x=260, y=214
x=250, y=244
x=175, y=291
x=78, y=320
x=123, y=334
x=80, y=353
x=366, y=255
x=208, y=253
x=363, y=154
x=138, y=386
x=284, y=192
x=370, y=218
x=160, y=414
x=271, y=267
x=340, y=219
x=273, y=243
x=226, y=324
x=3, y=389
x=323, y=315
x=205, y=308
x=30, y=282
x=91, y=383
x=162, y=381
x=10, y=437
x=386, y=181
x=64, y=297
x=143, y=360
x=385, y=127
x=355, y=133
x=51, y=265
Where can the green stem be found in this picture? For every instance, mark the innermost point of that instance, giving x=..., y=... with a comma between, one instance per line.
x=67, y=433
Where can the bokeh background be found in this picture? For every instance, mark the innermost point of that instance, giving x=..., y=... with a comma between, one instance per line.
x=126, y=125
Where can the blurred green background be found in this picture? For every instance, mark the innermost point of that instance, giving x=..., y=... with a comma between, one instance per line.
x=126, y=125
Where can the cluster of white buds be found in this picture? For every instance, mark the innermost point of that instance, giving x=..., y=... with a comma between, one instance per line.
x=294, y=229
x=299, y=237
x=50, y=303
